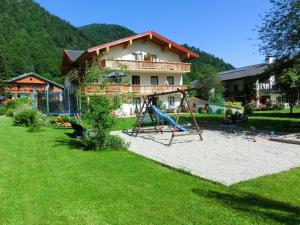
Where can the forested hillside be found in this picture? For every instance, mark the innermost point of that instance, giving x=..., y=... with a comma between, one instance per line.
x=32, y=39
x=102, y=33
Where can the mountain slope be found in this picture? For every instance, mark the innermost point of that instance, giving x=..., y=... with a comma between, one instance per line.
x=102, y=33
x=32, y=39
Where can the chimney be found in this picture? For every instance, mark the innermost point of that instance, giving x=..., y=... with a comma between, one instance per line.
x=270, y=60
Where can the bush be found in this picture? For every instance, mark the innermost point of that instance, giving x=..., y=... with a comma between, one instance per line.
x=220, y=111
x=279, y=106
x=114, y=142
x=2, y=110
x=228, y=112
x=262, y=107
x=9, y=112
x=248, y=110
x=97, y=112
x=29, y=118
x=234, y=105
x=200, y=110
x=18, y=102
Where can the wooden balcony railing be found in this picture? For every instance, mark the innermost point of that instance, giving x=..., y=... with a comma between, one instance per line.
x=24, y=90
x=124, y=89
x=171, y=67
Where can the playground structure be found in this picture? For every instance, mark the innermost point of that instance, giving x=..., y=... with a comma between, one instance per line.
x=149, y=107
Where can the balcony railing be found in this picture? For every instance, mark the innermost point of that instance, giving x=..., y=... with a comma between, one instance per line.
x=24, y=90
x=171, y=67
x=95, y=89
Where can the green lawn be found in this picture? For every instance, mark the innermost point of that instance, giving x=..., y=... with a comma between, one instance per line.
x=46, y=179
x=281, y=121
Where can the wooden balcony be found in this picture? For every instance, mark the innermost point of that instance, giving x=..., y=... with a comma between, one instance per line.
x=147, y=66
x=96, y=89
x=24, y=90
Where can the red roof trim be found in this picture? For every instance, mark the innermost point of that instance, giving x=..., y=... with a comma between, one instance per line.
x=155, y=35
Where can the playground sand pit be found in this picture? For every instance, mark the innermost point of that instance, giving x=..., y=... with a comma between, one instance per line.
x=225, y=157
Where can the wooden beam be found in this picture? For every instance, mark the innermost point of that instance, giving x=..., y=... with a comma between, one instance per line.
x=107, y=49
x=170, y=45
x=97, y=52
x=130, y=42
x=150, y=36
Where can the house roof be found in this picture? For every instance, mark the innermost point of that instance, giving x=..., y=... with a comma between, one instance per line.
x=36, y=75
x=243, y=72
x=152, y=35
x=73, y=57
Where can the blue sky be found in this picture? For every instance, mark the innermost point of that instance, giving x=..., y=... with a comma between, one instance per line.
x=221, y=27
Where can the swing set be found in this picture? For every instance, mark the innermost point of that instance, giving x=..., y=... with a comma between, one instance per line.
x=149, y=108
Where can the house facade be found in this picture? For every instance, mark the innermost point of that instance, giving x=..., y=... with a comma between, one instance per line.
x=26, y=84
x=153, y=64
x=250, y=85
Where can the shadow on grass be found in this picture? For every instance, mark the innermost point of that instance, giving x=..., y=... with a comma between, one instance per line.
x=71, y=141
x=255, y=205
x=281, y=115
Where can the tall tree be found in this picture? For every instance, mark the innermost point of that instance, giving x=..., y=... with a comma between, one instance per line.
x=280, y=31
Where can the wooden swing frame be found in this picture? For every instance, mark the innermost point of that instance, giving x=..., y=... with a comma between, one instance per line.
x=145, y=109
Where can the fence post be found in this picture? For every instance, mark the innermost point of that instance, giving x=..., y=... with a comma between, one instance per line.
x=47, y=99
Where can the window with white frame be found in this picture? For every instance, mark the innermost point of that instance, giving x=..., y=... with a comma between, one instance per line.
x=137, y=56
x=170, y=80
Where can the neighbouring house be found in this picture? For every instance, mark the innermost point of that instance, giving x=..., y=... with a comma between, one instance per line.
x=27, y=83
x=198, y=104
x=154, y=64
x=250, y=85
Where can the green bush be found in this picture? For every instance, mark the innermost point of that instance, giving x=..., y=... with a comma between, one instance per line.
x=234, y=105
x=279, y=106
x=228, y=112
x=29, y=118
x=200, y=110
x=220, y=111
x=97, y=112
x=2, y=110
x=115, y=142
x=13, y=104
x=248, y=109
x=9, y=112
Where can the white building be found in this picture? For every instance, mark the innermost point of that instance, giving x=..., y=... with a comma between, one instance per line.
x=154, y=64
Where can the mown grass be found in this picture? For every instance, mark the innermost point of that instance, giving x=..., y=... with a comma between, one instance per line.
x=45, y=178
x=281, y=121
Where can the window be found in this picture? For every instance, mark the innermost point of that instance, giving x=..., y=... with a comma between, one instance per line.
x=154, y=80
x=136, y=80
x=170, y=80
x=154, y=58
x=171, y=101
x=137, y=56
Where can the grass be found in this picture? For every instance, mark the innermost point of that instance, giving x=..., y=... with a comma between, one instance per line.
x=281, y=121
x=46, y=179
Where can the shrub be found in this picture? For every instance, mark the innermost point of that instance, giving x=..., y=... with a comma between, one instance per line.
x=9, y=112
x=97, y=112
x=228, y=112
x=114, y=142
x=261, y=107
x=29, y=118
x=248, y=110
x=200, y=110
x=234, y=105
x=279, y=106
x=220, y=111
x=18, y=102
x=2, y=110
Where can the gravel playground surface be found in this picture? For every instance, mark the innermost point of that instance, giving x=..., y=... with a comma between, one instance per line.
x=224, y=156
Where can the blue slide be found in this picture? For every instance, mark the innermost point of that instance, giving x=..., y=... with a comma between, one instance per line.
x=167, y=118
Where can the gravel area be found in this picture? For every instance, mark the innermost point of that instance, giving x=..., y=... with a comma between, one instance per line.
x=226, y=157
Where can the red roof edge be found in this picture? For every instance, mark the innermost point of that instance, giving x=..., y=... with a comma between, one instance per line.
x=154, y=34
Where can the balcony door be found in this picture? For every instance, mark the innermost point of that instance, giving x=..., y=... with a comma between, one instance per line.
x=136, y=83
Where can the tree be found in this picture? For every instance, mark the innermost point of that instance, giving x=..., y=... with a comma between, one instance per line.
x=280, y=31
x=206, y=81
x=287, y=73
